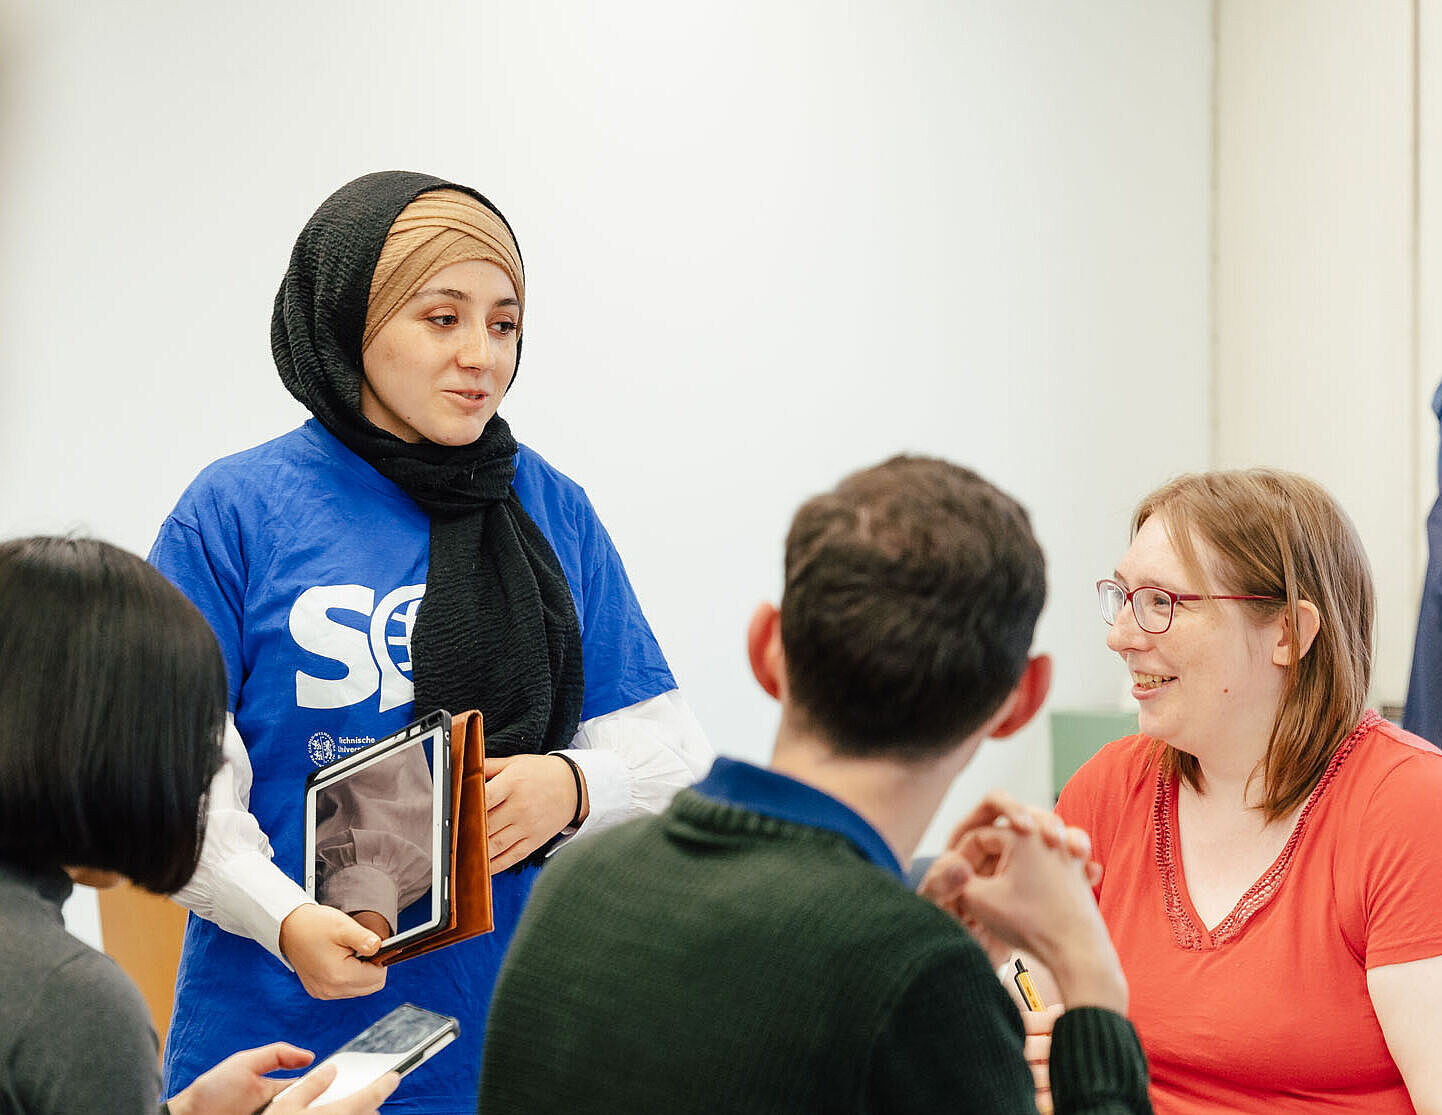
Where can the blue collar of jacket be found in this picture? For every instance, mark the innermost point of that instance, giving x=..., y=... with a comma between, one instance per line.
x=777, y=795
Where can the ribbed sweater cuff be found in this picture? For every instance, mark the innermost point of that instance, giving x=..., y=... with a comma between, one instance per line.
x=1095, y=1056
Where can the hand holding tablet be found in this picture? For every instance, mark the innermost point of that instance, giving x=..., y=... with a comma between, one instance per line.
x=395, y=837
x=377, y=827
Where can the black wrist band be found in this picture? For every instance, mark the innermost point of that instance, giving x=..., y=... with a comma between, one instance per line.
x=576, y=774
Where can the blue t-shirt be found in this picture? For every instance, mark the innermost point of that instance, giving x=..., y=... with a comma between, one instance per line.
x=310, y=567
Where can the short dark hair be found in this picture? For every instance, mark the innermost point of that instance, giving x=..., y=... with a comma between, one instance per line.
x=911, y=594
x=112, y=709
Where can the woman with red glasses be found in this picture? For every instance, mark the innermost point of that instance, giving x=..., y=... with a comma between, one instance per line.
x=1270, y=883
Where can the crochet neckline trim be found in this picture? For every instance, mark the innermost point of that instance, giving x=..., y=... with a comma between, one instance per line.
x=1186, y=929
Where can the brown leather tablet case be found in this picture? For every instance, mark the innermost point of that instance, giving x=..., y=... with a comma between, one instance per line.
x=470, y=858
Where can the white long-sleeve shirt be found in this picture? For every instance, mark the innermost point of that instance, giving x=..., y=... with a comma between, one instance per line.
x=634, y=760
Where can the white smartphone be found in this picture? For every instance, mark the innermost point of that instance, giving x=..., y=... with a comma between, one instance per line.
x=400, y=1041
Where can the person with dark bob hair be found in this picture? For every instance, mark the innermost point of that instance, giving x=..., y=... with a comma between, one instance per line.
x=112, y=706
x=112, y=701
x=1270, y=880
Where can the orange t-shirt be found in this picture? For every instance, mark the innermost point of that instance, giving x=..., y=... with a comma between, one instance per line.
x=1269, y=1011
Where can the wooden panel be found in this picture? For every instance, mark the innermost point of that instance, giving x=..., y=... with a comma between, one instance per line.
x=142, y=933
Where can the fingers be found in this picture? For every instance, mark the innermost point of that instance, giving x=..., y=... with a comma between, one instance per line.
x=528, y=801
x=383, y=1087
x=1056, y=833
x=1041, y=1022
x=342, y=974
x=994, y=806
x=508, y=795
x=509, y=847
x=268, y=1058
x=1077, y=841
x=351, y=980
x=274, y=1086
x=307, y=1088
x=945, y=878
x=999, y=808
x=373, y=921
x=357, y=938
x=497, y=763
x=984, y=849
x=311, y=929
x=1037, y=900
x=1039, y=1025
x=363, y=1102
x=977, y=853
x=322, y=944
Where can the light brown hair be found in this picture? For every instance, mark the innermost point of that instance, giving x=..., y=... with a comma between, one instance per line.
x=1275, y=533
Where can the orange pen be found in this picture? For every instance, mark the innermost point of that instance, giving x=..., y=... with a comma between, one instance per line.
x=1027, y=987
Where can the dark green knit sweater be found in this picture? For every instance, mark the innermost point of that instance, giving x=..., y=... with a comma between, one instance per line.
x=716, y=960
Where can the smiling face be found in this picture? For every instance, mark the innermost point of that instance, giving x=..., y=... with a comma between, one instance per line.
x=1210, y=685
x=439, y=368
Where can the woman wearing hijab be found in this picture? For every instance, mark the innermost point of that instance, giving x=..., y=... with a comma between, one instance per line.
x=396, y=554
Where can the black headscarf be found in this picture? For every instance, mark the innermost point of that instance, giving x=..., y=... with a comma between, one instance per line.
x=497, y=628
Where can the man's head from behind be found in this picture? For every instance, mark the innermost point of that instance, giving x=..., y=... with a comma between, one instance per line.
x=911, y=593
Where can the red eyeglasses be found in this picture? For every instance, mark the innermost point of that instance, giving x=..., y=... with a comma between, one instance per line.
x=1152, y=607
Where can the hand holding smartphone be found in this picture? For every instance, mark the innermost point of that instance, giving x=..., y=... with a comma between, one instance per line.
x=403, y=1039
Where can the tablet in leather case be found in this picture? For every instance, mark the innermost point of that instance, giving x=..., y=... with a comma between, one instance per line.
x=469, y=877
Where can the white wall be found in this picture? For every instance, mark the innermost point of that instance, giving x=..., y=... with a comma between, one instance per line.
x=766, y=243
x=1316, y=288
x=1428, y=370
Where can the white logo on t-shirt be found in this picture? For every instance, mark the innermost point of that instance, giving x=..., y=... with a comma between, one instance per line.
x=377, y=658
x=321, y=748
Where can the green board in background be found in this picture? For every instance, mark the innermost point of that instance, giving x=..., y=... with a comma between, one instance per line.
x=1078, y=734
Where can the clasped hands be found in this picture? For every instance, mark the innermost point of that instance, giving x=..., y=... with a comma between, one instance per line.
x=1019, y=878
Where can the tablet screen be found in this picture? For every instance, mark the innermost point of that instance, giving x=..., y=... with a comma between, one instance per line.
x=376, y=830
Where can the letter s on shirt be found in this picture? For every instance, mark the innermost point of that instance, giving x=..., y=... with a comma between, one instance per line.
x=374, y=657
x=314, y=630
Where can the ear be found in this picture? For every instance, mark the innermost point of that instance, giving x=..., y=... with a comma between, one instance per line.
x=763, y=649
x=1026, y=698
x=1309, y=622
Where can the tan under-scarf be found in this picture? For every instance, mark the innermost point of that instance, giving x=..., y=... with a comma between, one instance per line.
x=438, y=229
